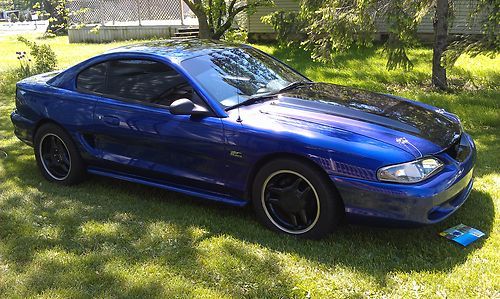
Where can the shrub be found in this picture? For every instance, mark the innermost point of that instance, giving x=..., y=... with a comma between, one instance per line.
x=236, y=35
x=22, y=17
x=13, y=18
x=45, y=60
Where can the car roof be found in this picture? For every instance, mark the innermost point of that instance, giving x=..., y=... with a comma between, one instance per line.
x=177, y=50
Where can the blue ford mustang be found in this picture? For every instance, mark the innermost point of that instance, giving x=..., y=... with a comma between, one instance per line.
x=229, y=123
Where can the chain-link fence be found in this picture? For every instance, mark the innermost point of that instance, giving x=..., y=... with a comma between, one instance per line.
x=140, y=12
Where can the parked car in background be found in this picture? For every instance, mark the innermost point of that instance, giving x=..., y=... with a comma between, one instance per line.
x=232, y=124
x=6, y=14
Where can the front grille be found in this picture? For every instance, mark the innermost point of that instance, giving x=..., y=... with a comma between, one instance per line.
x=459, y=150
x=453, y=149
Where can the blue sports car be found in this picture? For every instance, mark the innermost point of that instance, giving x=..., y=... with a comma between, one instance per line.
x=232, y=124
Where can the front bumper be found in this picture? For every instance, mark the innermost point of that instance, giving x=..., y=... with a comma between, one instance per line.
x=427, y=202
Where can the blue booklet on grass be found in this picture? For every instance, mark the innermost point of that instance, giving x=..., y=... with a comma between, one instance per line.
x=462, y=234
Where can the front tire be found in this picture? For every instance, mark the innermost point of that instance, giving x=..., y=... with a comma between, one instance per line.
x=57, y=156
x=293, y=197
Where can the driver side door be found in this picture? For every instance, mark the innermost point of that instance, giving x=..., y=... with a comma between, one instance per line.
x=136, y=134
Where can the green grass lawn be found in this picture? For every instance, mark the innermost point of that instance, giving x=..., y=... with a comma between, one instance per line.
x=107, y=238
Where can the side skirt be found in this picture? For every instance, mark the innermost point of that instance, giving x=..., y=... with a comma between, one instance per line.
x=180, y=189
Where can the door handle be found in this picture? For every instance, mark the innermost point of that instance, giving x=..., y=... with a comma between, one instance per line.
x=111, y=120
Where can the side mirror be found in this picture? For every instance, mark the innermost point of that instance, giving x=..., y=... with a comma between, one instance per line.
x=187, y=107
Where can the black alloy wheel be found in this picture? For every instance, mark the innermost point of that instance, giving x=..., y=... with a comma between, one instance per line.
x=290, y=201
x=297, y=198
x=57, y=155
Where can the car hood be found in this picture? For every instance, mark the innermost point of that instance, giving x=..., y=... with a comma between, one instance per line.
x=414, y=127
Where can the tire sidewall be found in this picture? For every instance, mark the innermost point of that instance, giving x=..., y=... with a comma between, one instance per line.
x=328, y=198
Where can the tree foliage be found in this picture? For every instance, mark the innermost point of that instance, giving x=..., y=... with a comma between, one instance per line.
x=332, y=26
x=488, y=44
x=13, y=18
x=215, y=17
x=17, y=4
x=288, y=25
x=58, y=15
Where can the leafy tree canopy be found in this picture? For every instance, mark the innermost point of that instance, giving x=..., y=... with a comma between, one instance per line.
x=17, y=4
x=331, y=26
x=215, y=17
x=58, y=14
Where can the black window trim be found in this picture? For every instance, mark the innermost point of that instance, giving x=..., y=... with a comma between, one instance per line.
x=132, y=101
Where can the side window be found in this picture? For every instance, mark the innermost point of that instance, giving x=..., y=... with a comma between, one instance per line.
x=146, y=81
x=92, y=79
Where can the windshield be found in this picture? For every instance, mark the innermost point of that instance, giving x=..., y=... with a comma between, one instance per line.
x=239, y=72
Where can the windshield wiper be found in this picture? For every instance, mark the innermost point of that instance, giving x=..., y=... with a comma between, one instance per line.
x=292, y=86
x=251, y=100
x=258, y=97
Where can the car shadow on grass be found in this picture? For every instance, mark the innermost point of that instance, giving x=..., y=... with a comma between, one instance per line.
x=122, y=239
x=110, y=238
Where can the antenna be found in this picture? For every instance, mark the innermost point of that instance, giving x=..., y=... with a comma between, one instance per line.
x=239, y=115
x=239, y=73
x=238, y=93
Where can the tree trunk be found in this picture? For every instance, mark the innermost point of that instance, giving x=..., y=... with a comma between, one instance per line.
x=57, y=22
x=218, y=35
x=440, y=44
x=204, y=29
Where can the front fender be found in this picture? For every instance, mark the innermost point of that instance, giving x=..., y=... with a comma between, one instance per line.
x=337, y=152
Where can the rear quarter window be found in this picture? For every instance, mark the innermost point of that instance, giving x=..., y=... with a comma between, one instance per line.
x=92, y=79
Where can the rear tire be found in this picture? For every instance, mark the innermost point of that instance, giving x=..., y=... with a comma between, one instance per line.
x=57, y=156
x=293, y=197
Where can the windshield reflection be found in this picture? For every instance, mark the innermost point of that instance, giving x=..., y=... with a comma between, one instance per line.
x=239, y=72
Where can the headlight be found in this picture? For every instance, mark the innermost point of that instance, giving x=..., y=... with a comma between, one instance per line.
x=410, y=172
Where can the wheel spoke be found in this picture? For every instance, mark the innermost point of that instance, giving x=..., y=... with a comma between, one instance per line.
x=49, y=163
x=60, y=146
x=303, y=216
x=293, y=218
x=296, y=183
x=273, y=201
x=277, y=190
x=53, y=144
x=65, y=159
x=47, y=157
x=50, y=151
x=64, y=167
x=304, y=193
